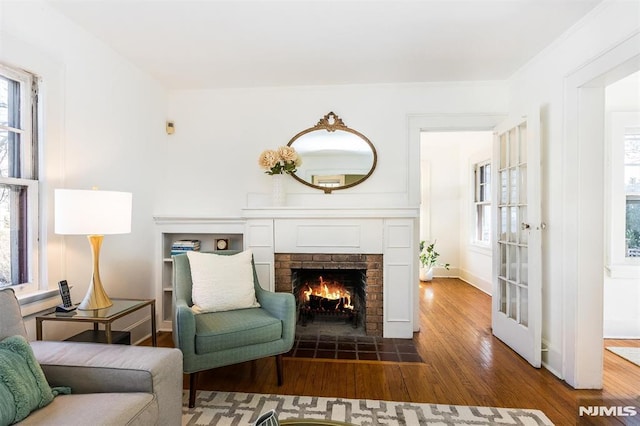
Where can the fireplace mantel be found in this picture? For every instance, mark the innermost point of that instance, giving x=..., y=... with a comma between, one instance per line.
x=390, y=232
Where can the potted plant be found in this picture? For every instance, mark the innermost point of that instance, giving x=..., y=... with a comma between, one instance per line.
x=429, y=259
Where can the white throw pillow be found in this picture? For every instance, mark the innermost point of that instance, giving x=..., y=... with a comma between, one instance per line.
x=222, y=282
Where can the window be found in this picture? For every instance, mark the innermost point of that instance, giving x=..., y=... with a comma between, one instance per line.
x=18, y=180
x=482, y=202
x=632, y=191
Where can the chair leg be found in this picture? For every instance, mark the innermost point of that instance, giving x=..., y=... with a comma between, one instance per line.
x=279, y=369
x=193, y=384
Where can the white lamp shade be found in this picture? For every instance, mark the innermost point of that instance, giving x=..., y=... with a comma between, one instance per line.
x=92, y=212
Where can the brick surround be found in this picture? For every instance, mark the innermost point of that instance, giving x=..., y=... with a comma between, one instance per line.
x=372, y=263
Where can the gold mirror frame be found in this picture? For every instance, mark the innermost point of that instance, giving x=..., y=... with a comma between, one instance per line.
x=332, y=123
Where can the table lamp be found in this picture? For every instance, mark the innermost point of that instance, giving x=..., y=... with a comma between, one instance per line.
x=95, y=214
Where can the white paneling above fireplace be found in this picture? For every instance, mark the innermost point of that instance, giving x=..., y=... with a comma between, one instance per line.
x=328, y=235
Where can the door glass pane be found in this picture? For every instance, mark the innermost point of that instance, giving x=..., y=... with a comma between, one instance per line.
x=524, y=233
x=524, y=266
x=503, y=187
x=523, y=143
x=512, y=262
x=513, y=301
x=524, y=306
x=513, y=186
x=522, y=190
x=503, y=224
x=503, y=260
x=513, y=224
x=513, y=147
x=503, y=296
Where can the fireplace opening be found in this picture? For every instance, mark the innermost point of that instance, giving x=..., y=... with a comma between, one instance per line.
x=332, y=296
x=360, y=273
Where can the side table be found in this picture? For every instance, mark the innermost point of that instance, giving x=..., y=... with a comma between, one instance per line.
x=106, y=316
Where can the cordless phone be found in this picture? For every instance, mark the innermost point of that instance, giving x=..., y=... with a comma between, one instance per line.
x=67, y=305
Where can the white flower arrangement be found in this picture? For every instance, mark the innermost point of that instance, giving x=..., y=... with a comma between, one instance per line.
x=276, y=162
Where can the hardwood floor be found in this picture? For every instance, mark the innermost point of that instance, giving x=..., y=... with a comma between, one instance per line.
x=464, y=365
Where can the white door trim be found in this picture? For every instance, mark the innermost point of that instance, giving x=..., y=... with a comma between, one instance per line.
x=583, y=191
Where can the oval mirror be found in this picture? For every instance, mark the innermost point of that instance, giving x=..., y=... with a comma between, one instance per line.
x=333, y=155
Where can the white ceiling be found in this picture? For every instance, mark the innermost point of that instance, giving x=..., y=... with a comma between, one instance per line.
x=215, y=44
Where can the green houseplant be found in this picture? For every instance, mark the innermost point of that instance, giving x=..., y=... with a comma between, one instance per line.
x=429, y=259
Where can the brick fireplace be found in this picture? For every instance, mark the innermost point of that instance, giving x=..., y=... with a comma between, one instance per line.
x=286, y=263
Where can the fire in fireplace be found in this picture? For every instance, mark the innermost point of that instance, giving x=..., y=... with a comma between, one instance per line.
x=329, y=295
x=361, y=275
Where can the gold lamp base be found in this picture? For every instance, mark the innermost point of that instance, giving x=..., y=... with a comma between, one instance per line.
x=96, y=297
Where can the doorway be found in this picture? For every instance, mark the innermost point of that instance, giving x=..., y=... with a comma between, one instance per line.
x=455, y=211
x=583, y=188
x=621, y=295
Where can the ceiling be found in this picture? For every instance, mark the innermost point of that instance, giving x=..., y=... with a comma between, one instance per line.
x=223, y=44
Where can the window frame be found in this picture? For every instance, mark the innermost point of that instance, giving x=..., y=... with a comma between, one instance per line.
x=478, y=205
x=618, y=265
x=633, y=196
x=28, y=131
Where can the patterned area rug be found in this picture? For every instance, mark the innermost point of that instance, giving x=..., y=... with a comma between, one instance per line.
x=630, y=354
x=235, y=408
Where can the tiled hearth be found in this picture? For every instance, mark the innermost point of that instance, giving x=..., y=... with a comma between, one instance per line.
x=366, y=348
x=286, y=263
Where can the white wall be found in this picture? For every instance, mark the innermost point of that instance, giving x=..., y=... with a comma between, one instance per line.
x=104, y=127
x=542, y=84
x=447, y=213
x=622, y=277
x=211, y=161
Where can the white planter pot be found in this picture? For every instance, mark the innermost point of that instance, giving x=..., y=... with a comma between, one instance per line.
x=426, y=274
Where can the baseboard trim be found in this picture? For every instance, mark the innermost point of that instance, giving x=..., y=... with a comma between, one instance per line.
x=476, y=282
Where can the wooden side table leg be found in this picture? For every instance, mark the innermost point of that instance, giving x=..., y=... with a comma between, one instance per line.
x=38, y=329
x=154, y=337
x=107, y=331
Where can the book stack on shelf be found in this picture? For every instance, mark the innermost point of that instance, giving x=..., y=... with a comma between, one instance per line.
x=183, y=246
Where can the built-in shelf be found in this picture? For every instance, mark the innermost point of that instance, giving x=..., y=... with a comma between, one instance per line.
x=174, y=228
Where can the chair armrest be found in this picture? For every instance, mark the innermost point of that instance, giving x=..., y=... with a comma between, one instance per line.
x=283, y=307
x=96, y=368
x=184, y=328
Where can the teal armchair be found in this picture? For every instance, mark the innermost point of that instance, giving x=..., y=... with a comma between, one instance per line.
x=216, y=339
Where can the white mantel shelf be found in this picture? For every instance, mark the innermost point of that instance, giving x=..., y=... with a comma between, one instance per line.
x=329, y=213
x=174, y=219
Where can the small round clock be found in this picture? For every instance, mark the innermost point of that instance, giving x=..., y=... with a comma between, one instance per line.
x=222, y=244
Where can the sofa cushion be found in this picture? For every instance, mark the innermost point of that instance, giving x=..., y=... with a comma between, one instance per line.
x=23, y=386
x=98, y=409
x=222, y=282
x=217, y=331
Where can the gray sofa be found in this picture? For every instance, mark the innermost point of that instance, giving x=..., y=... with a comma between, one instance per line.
x=110, y=384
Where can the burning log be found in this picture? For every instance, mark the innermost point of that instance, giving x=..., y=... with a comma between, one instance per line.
x=326, y=298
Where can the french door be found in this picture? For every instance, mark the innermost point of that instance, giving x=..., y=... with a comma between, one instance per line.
x=517, y=287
